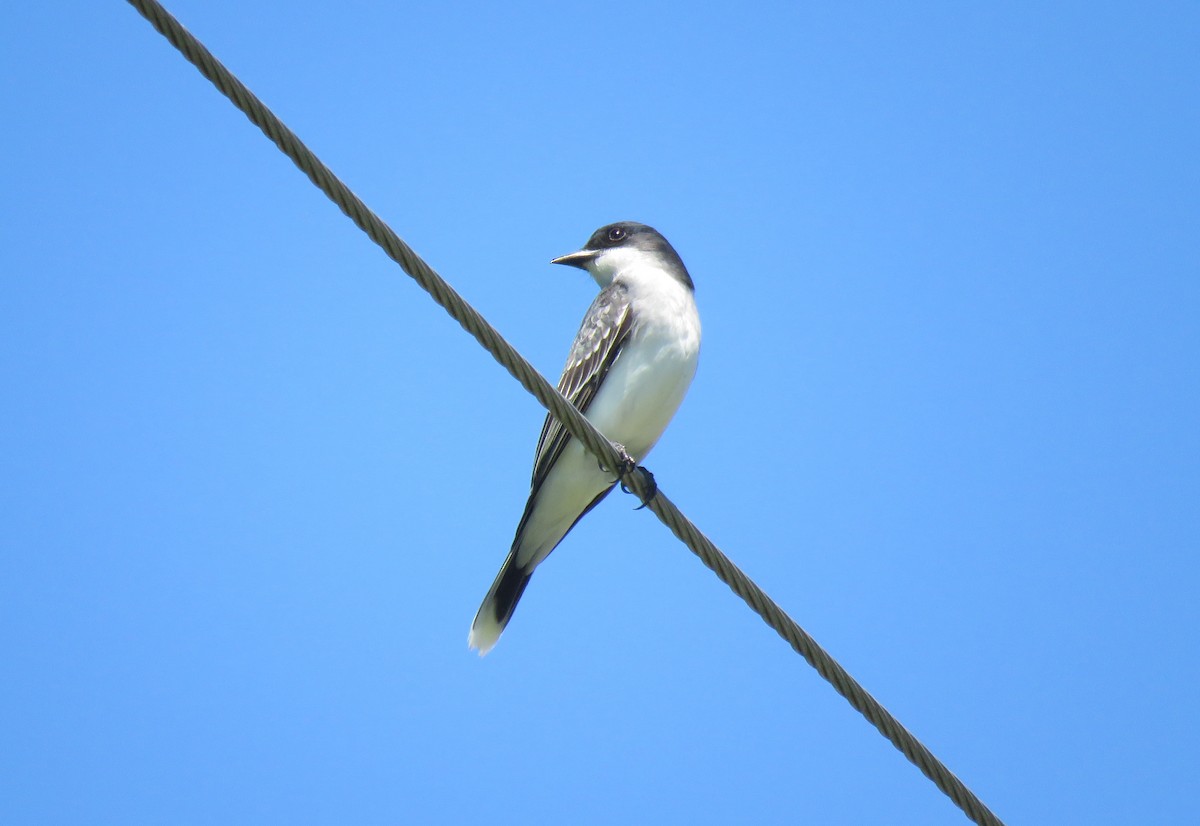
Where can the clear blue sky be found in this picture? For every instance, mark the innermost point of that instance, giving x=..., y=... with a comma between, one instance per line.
x=948, y=414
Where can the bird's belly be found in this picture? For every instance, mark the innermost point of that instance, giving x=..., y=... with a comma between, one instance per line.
x=641, y=393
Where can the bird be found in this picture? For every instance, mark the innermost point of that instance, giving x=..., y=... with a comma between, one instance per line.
x=631, y=364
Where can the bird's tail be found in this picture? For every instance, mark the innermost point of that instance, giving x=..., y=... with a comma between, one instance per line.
x=499, y=604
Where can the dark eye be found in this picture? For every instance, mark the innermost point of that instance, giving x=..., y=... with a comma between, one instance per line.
x=616, y=234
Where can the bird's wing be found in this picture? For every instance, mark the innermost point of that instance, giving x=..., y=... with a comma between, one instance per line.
x=605, y=329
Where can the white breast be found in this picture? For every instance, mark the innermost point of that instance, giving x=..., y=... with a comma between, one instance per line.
x=651, y=376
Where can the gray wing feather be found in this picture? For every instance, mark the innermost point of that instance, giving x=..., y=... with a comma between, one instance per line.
x=605, y=329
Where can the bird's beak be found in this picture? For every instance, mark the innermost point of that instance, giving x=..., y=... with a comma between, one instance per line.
x=579, y=259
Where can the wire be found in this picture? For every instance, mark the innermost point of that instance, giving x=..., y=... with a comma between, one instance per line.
x=572, y=419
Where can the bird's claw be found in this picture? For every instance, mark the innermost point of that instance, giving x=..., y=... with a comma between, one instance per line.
x=648, y=481
x=625, y=466
x=651, y=487
x=625, y=463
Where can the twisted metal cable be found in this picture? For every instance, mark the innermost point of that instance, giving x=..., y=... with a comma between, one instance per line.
x=574, y=421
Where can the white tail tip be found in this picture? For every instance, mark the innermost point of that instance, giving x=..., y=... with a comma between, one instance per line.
x=484, y=633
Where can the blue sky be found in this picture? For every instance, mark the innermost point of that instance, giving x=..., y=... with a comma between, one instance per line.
x=255, y=483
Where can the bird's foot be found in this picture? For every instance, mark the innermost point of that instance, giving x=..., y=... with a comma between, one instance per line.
x=625, y=466
x=651, y=487
x=625, y=463
x=647, y=481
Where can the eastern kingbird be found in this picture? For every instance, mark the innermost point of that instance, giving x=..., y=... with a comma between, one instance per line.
x=629, y=368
